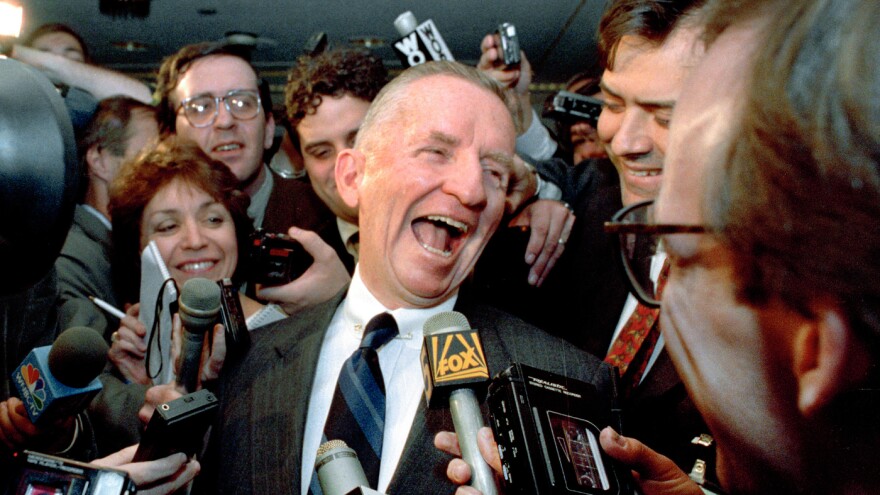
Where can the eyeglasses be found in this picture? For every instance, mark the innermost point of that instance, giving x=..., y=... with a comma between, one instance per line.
x=639, y=242
x=201, y=110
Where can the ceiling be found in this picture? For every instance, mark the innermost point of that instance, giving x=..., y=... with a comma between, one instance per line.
x=557, y=35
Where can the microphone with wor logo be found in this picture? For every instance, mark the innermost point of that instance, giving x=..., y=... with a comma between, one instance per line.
x=420, y=43
x=60, y=380
x=454, y=367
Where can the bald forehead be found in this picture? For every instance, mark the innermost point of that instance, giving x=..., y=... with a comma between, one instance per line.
x=403, y=102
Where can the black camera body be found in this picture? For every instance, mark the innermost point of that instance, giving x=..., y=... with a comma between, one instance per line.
x=178, y=426
x=547, y=427
x=568, y=106
x=232, y=317
x=276, y=259
x=42, y=474
x=509, y=44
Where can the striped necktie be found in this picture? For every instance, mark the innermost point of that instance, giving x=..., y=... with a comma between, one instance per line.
x=357, y=413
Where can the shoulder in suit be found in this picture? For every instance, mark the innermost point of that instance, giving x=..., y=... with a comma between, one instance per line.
x=255, y=446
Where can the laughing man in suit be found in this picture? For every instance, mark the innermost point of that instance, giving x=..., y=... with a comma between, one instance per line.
x=429, y=175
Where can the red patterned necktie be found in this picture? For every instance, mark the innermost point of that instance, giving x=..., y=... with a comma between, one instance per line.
x=634, y=345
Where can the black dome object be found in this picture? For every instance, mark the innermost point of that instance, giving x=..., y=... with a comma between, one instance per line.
x=39, y=175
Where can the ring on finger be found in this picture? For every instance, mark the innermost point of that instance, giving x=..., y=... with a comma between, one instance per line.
x=561, y=240
x=114, y=336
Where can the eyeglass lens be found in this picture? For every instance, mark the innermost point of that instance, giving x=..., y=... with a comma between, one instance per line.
x=201, y=111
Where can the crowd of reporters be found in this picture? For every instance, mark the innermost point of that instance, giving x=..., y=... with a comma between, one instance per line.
x=748, y=188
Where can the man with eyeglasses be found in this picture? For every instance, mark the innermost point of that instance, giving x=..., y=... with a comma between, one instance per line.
x=209, y=93
x=647, y=47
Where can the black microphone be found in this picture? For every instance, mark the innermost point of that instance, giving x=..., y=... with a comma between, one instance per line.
x=454, y=367
x=199, y=310
x=339, y=470
x=420, y=43
x=60, y=380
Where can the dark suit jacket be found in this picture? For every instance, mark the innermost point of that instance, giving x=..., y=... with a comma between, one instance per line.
x=84, y=270
x=255, y=446
x=582, y=299
x=293, y=202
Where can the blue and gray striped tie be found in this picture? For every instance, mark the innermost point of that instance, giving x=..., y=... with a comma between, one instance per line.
x=357, y=413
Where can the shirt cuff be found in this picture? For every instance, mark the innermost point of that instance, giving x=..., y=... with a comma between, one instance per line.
x=536, y=141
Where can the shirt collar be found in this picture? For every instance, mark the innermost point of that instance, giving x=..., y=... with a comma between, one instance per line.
x=97, y=214
x=360, y=306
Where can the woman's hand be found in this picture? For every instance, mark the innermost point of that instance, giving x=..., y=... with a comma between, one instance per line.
x=129, y=348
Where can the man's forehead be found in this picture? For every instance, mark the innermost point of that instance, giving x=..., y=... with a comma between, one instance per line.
x=706, y=118
x=217, y=75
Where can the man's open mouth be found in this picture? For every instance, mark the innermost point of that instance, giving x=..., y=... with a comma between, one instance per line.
x=438, y=234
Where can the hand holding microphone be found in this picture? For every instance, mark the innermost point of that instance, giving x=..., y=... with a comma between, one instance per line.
x=454, y=367
x=55, y=383
x=199, y=312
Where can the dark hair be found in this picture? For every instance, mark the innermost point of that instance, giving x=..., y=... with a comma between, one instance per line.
x=108, y=127
x=138, y=181
x=333, y=73
x=652, y=20
x=798, y=196
x=175, y=66
x=57, y=27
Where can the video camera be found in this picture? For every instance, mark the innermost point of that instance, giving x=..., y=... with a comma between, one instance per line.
x=276, y=259
x=566, y=106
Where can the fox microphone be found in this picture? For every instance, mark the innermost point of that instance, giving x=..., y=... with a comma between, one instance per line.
x=199, y=310
x=339, y=470
x=454, y=367
x=420, y=43
x=61, y=379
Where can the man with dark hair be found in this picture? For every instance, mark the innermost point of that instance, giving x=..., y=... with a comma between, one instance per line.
x=327, y=97
x=647, y=46
x=209, y=93
x=771, y=314
x=120, y=128
x=428, y=175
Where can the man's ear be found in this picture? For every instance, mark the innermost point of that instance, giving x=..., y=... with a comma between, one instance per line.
x=98, y=164
x=349, y=174
x=827, y=358
x=269, y=137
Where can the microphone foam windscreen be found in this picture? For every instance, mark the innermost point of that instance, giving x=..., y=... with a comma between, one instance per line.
x=445, y=321
x=77, y=356
x=199, y=302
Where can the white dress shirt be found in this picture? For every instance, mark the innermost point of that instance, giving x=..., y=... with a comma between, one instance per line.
x=401, y=367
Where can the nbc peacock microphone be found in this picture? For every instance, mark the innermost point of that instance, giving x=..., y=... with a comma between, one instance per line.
x=339, y=470
x=454, y=367
x=420, y=43
x=60, y=380
x=199, y=311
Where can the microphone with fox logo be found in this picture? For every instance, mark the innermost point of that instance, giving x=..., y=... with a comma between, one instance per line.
x=454, y=367
x=420, y=43
x=60, y=380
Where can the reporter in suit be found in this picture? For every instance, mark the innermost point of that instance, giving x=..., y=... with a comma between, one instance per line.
x=429, y=175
